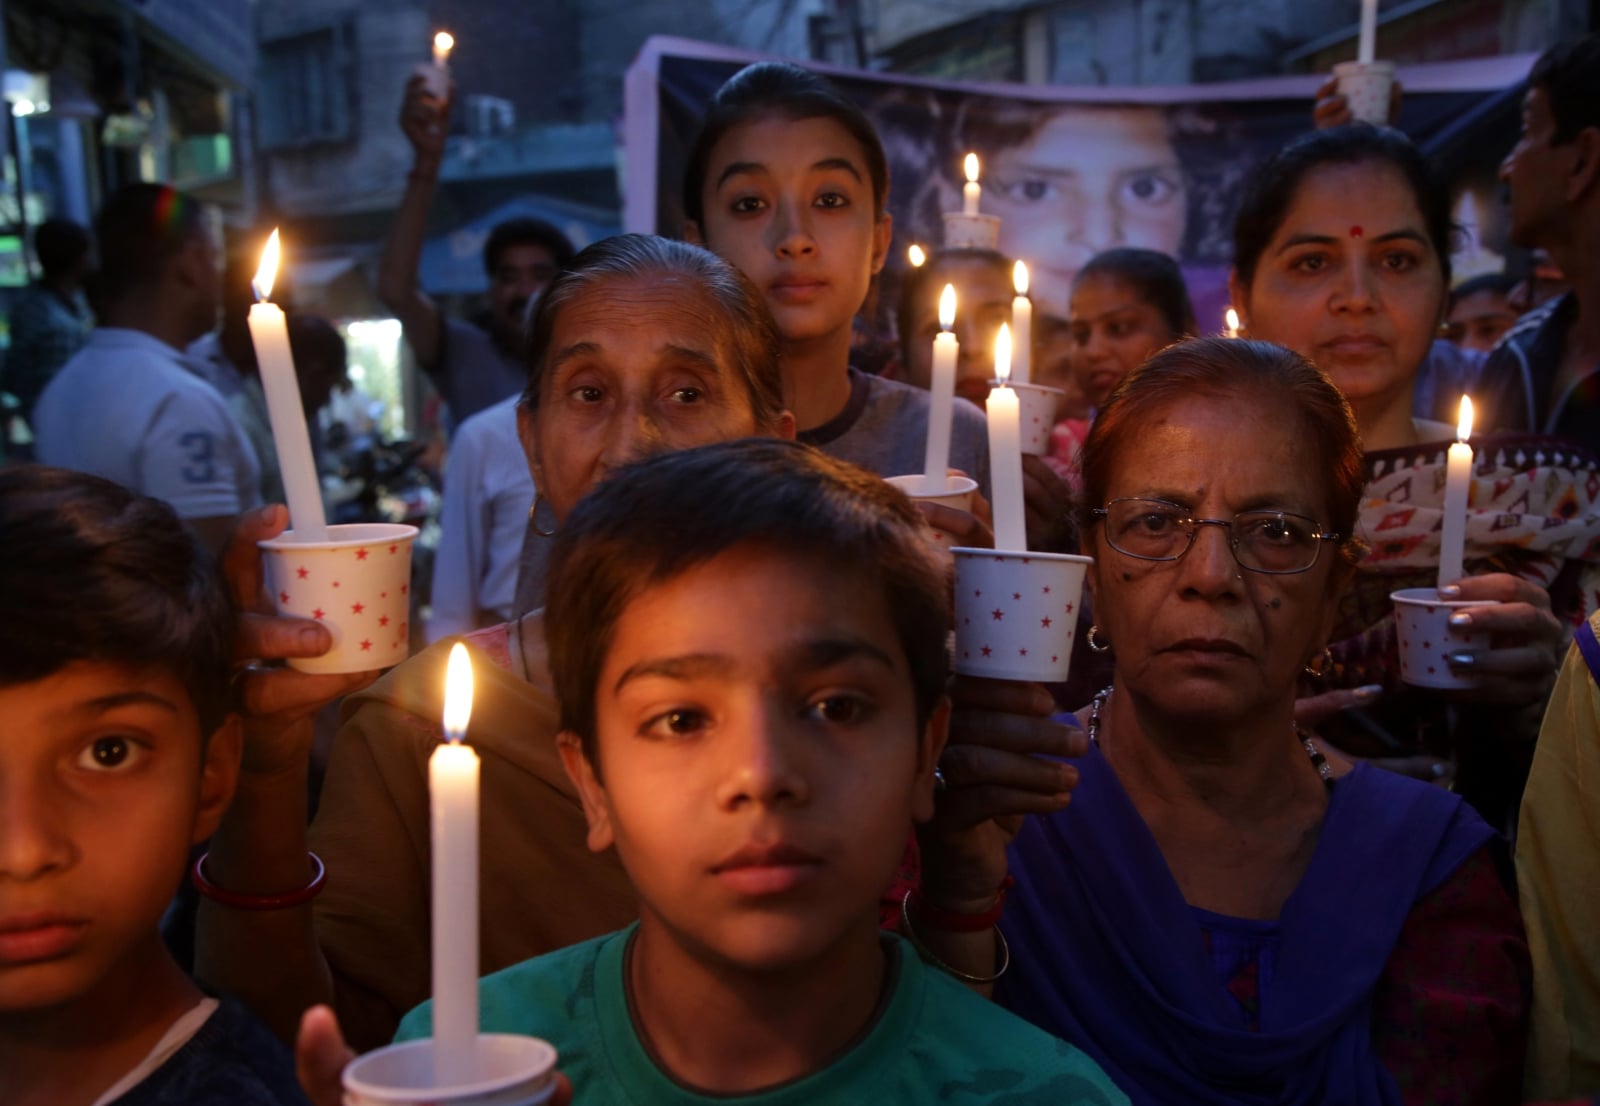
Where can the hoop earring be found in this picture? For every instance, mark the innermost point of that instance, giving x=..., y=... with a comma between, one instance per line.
x=533, y=518
x=1320, y=664
x=1094, y=642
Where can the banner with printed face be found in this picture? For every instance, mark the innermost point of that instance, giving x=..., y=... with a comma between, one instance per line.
x=1076, y=170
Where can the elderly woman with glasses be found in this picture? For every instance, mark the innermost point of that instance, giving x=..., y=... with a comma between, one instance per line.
x=1227, y=911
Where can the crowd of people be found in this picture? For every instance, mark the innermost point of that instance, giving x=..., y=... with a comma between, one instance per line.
x=744, y=837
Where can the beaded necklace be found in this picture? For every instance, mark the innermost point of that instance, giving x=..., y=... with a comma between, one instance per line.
x=1318, y=761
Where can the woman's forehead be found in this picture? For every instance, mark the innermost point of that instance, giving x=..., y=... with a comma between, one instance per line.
x=1248, y=445
x=668, y=309
x=1373, y=196
x=776, y=140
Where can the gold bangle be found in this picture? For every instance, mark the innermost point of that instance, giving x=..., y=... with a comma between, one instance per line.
x=927, y=955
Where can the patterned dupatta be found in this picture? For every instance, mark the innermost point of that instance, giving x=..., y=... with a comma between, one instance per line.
x=1534, y=512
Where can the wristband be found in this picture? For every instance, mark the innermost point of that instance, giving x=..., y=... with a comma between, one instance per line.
x=259, y=902
x=952, y=922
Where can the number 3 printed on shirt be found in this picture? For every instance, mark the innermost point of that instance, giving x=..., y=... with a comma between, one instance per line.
x=200, y=447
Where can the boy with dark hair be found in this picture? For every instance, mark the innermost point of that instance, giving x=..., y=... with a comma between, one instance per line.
x=1544, y=377
x=748, y=641
x=118, y=753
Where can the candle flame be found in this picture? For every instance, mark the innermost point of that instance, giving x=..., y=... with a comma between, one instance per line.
x=457, y=693
x=1464, y=422
x=443, y=43
x=1231, y=318
x=917, y=256
x=267, y=274
x=972, y=168
x=1019, y=278
x=1002, y=355
x=947, y=307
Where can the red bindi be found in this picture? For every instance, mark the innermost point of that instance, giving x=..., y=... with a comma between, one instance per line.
x=1355, y=232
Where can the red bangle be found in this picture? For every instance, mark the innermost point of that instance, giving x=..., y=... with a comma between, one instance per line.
x=952, y=922
x=259, y=902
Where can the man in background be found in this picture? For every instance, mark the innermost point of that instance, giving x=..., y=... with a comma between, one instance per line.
x=1545, y=376
x=50, y=320
x=127, y=406
x=472, y=368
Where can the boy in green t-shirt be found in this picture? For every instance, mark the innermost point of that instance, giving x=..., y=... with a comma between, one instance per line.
x=748, y=641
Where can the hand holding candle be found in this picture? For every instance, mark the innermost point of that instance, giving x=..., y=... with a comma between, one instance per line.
x=437, y=76
x=1457, y=485
x=971, y=190
x=453, y=803
x=1022, y=326
x=941, y=396
x=1005, y=453
x=269, y=333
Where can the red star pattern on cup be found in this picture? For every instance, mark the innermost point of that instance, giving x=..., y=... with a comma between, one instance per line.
x=370, y=600
x=1022, y=647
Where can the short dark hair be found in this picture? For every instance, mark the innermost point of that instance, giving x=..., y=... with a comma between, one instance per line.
x=778, y=89
x=918, y=284
x=90, y=571
x=654, y=520
x=526, y=232
x=1498, y=283
x=1244, y=371
x=140, y=228
x=1569, y=75
x=61, y=245
x=1273, y=189
x=1154, y=277
x=752, y=335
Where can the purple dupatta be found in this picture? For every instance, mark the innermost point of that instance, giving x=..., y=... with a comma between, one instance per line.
x=1108, y=955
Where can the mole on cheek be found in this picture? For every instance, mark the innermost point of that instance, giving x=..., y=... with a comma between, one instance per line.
x=1126, y=576
x=1274, y=604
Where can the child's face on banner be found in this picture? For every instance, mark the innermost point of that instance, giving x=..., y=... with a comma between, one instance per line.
x=1088, y=180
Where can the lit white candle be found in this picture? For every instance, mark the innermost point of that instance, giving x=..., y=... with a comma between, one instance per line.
x=941, y=398
x=971, y=190
x=1230, y=319
x=1005, y=453
x=1457, y=485
x=917, y=256
x=1022, y=326
x=269, y=333
x=437, y=76
x=1368, y=48
x=453, y=805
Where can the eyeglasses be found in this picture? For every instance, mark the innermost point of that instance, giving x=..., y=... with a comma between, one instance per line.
x=1274, y=542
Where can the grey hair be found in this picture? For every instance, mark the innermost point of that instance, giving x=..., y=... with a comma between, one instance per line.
x=752, y=336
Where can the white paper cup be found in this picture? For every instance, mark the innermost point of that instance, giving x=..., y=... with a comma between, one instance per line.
x=357, y=584
x=1016, y=613
x=1422, y=625
x=956, y=492
x=1037, y=406
x=1365, y=88
x=971, y=232
x=512, y=1070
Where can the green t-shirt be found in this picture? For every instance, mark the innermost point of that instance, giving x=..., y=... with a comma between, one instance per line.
x=935, y=1041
